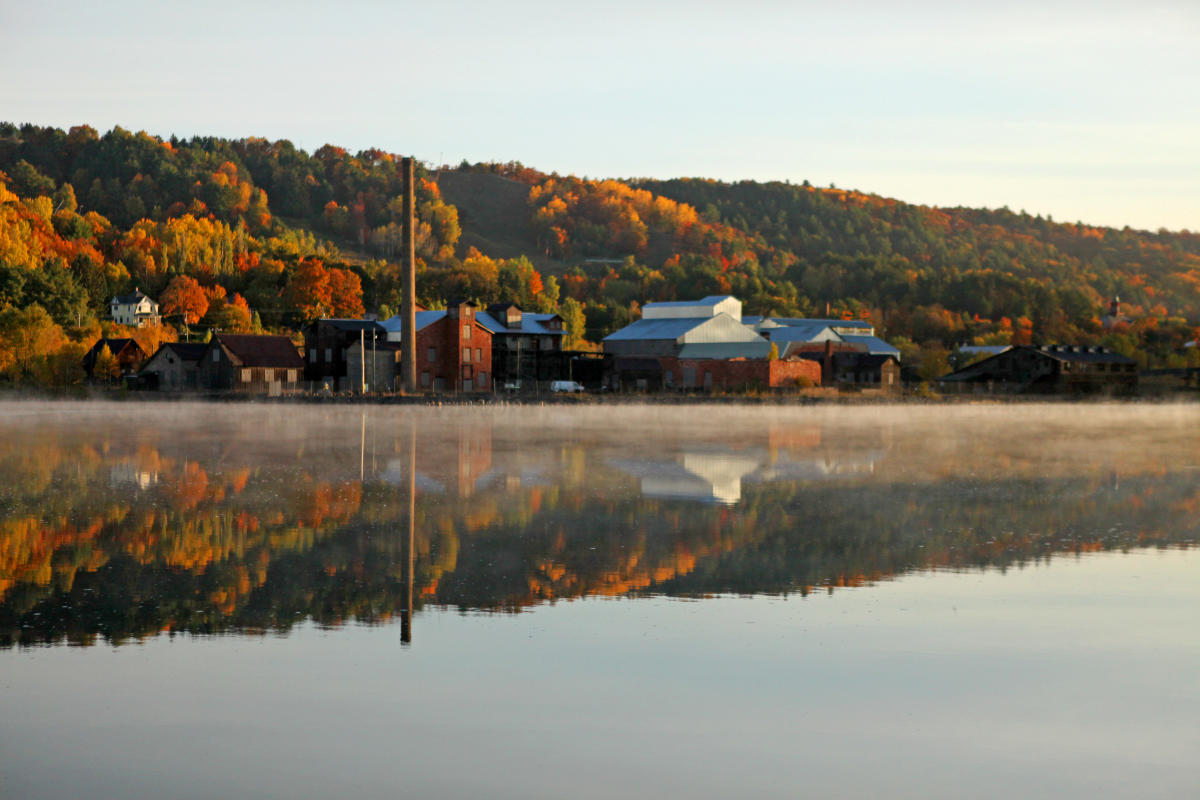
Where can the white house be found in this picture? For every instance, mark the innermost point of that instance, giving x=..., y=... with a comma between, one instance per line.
x=134, y=309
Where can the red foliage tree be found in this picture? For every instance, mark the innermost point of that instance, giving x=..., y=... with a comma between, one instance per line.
x=185, y=296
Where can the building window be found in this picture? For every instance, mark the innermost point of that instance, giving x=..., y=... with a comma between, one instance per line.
x=424, y=378
x=482, y=380
x=216, y=356
x=432, y=354
x=291, y=376
x=245, y=375
x=312, y=356
x=466, y=372
x=328, y=355
x=467, y=355
x=466, y=331
x=478, y=354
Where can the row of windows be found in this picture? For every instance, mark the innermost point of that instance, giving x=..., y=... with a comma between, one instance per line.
x=288, y=375
x=469, y=383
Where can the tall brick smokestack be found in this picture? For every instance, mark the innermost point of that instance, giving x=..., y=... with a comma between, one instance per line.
x=408, y=303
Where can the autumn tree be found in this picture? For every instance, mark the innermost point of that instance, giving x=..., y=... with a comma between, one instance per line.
x=345, y=294
x=105, y=369
x=308, y=292
x=28, y=337
x=186, y=297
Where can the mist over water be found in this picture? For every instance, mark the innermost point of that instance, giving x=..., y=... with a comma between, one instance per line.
x=1001, y=593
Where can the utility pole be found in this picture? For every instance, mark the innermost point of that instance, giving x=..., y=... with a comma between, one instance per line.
x=362, y=362
x=408, y=306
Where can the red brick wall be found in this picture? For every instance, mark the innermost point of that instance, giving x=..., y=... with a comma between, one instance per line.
x=446, y=337
x=739, y=374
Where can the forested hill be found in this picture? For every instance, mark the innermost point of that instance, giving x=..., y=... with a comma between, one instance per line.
x=235, y=231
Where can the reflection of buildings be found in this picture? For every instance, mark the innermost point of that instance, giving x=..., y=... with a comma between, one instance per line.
x=716, y=475
x=127, y=472
x=705, y=477
x=456, y=465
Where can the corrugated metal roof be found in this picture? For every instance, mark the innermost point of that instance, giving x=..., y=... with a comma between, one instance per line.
x=875, y=345
x=801, y=331
x=725, y=350
x=711, y=300
x=424, y=319
x=657, y=329
x=532, y=324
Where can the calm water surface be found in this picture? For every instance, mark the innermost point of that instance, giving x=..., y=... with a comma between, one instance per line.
x=275, y=601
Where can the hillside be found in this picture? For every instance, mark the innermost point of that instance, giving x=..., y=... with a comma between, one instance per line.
x=271, y=235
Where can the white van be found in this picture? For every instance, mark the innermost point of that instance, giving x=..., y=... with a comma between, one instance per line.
x=565, y=386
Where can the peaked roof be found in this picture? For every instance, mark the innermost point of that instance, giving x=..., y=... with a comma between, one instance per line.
x=131, y=299
x=115, y=346
x=803, y=331
x=531, y=324
x=260, y=351
x=654, y=329
x=788, y=322
x=187, y=351
x=875, y=346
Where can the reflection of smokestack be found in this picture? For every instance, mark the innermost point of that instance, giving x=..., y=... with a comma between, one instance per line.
x=411, y=491
x=408, y=307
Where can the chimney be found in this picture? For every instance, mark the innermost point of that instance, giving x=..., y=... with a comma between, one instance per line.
x=408, y=300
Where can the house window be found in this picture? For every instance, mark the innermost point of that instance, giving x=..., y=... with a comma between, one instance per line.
x=478, y=354
x=245, y=375
x=439, y=384
x=466, y=331
x=467, y=355
x=424, y=378
x=432, y=354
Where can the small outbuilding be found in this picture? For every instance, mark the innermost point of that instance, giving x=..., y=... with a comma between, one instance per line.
x=269, y=365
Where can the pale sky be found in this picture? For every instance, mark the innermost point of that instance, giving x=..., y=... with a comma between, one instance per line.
x=1082, y=110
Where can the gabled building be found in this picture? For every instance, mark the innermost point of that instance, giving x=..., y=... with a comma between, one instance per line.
x=525, y=346
x=665, y=328
x=135, y=309
x=173, y=366
x=326, y=345
x=269, y=365
x=128, y=353
x=1048, y=369
x=454, y=349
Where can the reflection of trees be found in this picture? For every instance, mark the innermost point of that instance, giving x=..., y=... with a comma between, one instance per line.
x=103, y=537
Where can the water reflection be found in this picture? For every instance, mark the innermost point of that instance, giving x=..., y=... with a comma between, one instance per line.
x=122, y=522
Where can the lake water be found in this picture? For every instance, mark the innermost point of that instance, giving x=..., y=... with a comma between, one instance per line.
x=277, y=601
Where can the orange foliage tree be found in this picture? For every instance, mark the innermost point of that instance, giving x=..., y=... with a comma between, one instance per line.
x=185, y=296
x=308, y=291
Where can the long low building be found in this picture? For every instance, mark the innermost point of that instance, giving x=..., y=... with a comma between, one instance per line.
x=1049, y=369
x=728, y=350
